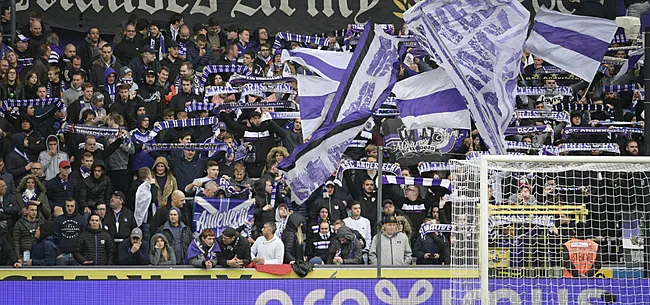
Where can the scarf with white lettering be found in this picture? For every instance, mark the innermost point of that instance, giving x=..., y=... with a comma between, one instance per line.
x=536, y=114
x=424, y=167
x=187, y=146
x=352, y=164
x=445, y=183
x=567, y=91
x=427, y=228
x=183, y=123
x=284, y=36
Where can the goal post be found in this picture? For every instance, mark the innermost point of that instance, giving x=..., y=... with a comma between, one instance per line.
x=540, y=222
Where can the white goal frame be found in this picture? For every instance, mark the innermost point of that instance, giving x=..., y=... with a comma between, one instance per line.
x=484, y=199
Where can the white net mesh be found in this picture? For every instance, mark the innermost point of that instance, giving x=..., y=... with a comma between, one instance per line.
x=559, y=232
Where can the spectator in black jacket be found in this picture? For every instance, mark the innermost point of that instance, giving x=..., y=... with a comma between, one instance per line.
x=95, y=246
x=89, y=48
x=8, y=207
x=44, y=250
x=96, y=188
x=66, y=229
x=62, y=186
x=235, y=249
x=178, y=234
x=162, y=214
x=129, y=47
x=146, y=61
x=134, y=251
x=180, y=100
x=18, y=162
x=198, y=54
x=292, y=238
x=119, y=219
x=261, y=138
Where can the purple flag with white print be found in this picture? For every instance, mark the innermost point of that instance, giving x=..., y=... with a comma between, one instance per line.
x=368, y=80
x=479, y=44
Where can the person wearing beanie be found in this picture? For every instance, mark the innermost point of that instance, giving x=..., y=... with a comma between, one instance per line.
x=44, y=250
x=177, y=233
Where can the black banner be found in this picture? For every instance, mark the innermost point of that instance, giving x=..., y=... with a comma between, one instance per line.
x=296, y=16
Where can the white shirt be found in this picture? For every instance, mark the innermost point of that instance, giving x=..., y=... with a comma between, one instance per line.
x=362, y=225
x=272, y=251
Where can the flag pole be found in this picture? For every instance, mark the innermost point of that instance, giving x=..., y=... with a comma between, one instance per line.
x=380, y=172
x=646, y=85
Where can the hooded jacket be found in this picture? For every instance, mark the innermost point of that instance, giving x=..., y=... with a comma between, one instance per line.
x=95, y=190
x=293, y=248
x=44, y=250
x=350, y=251
x=35, y=143
x=109, y=90
x=99, y=67
x=18, y=158
x=434, y=244
x=51, y=163
x=164, y=191
x=72, y=94
x=96, y=246
x=66, y=230
x=155, y=254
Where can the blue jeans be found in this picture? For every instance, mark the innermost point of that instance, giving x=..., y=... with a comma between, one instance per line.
x=66, y=259
x=317, y=260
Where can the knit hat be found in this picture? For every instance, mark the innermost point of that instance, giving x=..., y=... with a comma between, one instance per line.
x=124, y=70
x=175, y=209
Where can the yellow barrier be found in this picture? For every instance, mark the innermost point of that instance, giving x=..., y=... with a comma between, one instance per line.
x=216, y=274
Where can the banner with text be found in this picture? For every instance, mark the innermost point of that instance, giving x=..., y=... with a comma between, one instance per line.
x=296, y=16
x=219, y=213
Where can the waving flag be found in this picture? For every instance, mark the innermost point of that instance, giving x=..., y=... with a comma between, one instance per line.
x=574, y=43
x=634, y=58
x=315, y=95
x=479, y=43
x=328, y=64
x=430, y=99
x=368, y=79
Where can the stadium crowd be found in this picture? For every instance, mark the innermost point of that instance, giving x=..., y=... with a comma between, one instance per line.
x=69, y=198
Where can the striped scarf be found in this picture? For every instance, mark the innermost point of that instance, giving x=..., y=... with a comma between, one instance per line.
x=621, y=88
x=607, y=147
x=214, y=69
x=183, y=123
x=596, y=130
x=241, y=79
x=284, y=36
x=32, y=102
x=528, y=129
x=424, y=167
x=358, y=28
x=526, y=146
x=475, y=155
x=582, y=107
x=161, y=41
x=445, y=183
x=277, y=184
x=61, y=89
x=216, y=90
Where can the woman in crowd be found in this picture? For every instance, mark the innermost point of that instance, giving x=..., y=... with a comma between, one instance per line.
x=161, y=253
x=30, y=190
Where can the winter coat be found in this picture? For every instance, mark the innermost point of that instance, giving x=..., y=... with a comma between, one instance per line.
x=99, y=66
x=126, y=223
x=57, y=193
x=23, y=234
x=126, y=257
x=119, y=160
x=240, y=247
x=67, y=229
x=165, y=192
x=15, y=162
x=96, y=246
x=51, y=163
x=434, y=244
x=155, y=255
x=95, y=190
x=186, y=239
x=350, y=251
x=71, y=95
x=137, y=66
x=293, y=249
x=261, y=200
x=127, y=49
x=44, y=210
x=395, y=250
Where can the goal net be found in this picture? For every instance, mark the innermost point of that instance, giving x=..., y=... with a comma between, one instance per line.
x=550, y=230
